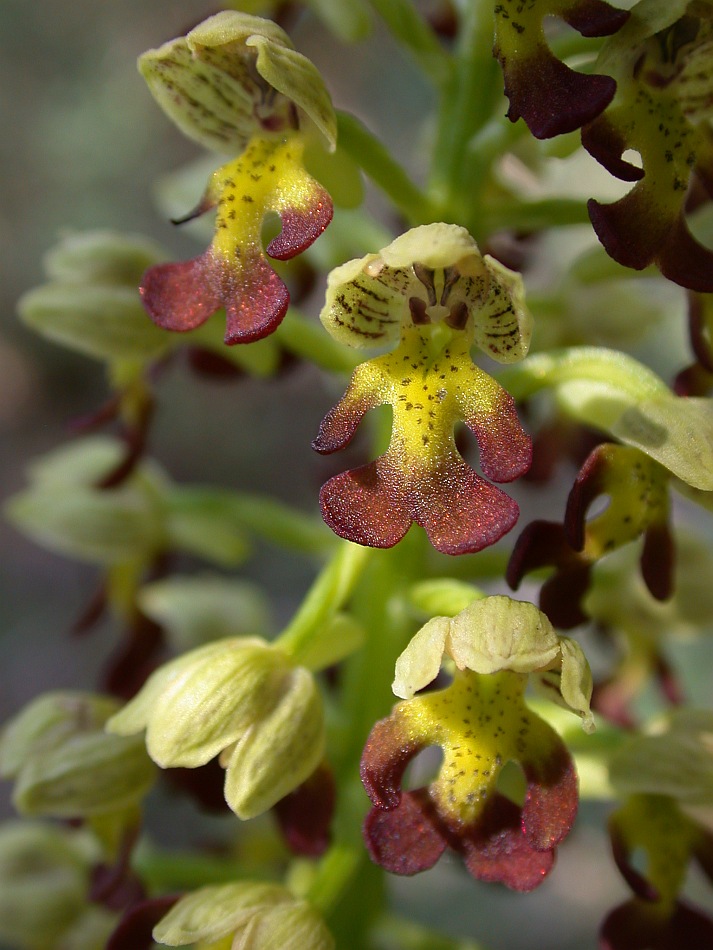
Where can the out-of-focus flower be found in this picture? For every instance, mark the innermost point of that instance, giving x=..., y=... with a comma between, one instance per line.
x=430, y=295
x=44, y=889
x=663, y=777
x=547, y=94
x=242, y=699
x=481, y=722
x=656, y=918
x=640, y=627
x=637, y=488
x=236, y=85
x=661, y=61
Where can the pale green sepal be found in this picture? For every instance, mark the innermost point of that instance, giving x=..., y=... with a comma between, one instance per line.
x=103, y=321
x=44, y=877
x=207, y=104
x=494, y=634
x=278, y=752
x=571, y=684
x=215, y=911
x=200, y=703
x=88, y=775
x=434, y=245
x=674, y=431
x=298, y=79
x=196, y=610
x=341, y=636
x=498, y=633
x=102, y=257
x=294, y=926
x=232, y=26
x=443, y=596
x=678, y=762
x=65, y=765
x=420, y=662
x=48, y=722
x=503, y=324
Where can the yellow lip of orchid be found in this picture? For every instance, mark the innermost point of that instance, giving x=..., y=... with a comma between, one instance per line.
x=433, y=294
x=481, y=722
x=234, y=273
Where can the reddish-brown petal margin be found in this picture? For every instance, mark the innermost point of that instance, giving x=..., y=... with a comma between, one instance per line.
x=305, y=815
x=633, y=926
x=387, y=753
x=496, y=849
x=605, y=142
x=405, y=840
x=589, y=483
x=551, y=97
x=544, y=544
x=504, y=446
x=560, y=100
x=552, y=796
x=639, y=884
x=300, y=229
x=658, y=560
x=367, y=505
x=461, y=512
x=635, y=235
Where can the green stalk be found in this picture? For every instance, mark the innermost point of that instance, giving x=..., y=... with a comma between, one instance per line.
x=412, y=31
x=331, y=589
x=467, y=102
x=377, y=162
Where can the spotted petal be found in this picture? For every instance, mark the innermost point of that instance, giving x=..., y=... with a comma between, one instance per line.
x=234, y=273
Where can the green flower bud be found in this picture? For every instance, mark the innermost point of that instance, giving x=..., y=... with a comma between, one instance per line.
x=240, y=697
x=65, y=765
x=64, y=511
x=258, y=916
x=44, y=877
x=92, y=303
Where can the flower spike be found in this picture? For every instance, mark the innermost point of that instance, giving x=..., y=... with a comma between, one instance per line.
x=236, y=85
x=433, y=292
x=481, y=722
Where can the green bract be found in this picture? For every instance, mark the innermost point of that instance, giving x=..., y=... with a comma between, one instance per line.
x=614, y=393
x=233, y=76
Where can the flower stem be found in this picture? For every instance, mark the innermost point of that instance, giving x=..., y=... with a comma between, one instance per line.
x=378, y=163
x=331, y=589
